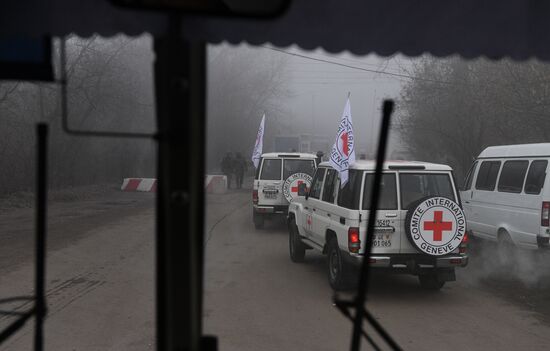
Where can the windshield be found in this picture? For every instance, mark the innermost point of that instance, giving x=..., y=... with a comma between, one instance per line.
x=418, y=186
x=273, y=259
x=298, y=166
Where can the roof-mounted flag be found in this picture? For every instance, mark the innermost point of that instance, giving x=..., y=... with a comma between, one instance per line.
x=342, y=154
x=257, y=153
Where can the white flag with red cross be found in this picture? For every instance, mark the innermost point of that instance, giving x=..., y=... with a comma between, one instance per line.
x=257, y=152
x=342, y=155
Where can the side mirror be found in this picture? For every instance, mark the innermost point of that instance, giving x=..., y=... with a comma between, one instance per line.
x=302, y=190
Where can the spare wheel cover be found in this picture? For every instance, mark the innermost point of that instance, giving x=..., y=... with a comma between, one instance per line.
x=435, y=225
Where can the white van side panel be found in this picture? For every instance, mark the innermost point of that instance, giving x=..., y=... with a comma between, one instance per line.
x=518, y=214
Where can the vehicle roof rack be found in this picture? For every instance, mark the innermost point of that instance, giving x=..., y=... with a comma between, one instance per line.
x=407, y=167
x=287, y=155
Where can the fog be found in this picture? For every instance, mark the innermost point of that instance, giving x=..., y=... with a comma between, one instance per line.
x=110, y=88
x=301, y=95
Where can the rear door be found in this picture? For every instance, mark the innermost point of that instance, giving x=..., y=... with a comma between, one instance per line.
x=346, y=213
x=534, y=185
x=270, y=183
x=325, y=210
x=297, y=165
x=414, y=186
x=388, y=229
x=518, y=213
x=311, y=219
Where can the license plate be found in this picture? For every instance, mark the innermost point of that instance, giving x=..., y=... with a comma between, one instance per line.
x=270, y=195
x=382, y=240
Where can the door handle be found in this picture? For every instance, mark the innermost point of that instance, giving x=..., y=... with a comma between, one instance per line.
x=391, y=215
x=314, y=210
x=306, y=208
x=466, y=202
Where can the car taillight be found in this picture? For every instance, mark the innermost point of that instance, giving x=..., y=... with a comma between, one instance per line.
x=463, y=243
x=545, y=214
x=354, y=243
x=255, y=196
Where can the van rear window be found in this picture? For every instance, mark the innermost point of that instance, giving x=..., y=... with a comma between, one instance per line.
x=271, y=169
x=415, y=186
x=535, y=177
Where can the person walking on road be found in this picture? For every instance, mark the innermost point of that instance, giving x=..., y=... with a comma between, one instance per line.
x=227, y=168
x=239, y=167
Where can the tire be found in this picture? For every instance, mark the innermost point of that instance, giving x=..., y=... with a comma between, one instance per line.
x=258, y=220
x=296, y=248
x=430, y=282
x=338, y=270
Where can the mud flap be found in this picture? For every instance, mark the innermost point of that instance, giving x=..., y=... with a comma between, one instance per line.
x=446, y=275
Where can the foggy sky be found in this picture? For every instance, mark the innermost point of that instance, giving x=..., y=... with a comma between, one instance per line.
x=319, y=91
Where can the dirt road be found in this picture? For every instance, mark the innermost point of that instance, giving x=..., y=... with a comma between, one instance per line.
x=257, y=299
x=101, y=287
x=100, y=277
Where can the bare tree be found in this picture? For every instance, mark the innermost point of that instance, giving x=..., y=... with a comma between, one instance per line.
x=109, y=88
x=457, y=108
x=243, y=83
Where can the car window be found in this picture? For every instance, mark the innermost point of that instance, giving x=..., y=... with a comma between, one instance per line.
x=388, y=192
x=415, y=186
x=470, y=177
x=271, y=169
x=298, y=166
x=329, y=190
x=535, y=177
x=317, y=184
x=350, y=194
x=512, y=176
x=487, y=175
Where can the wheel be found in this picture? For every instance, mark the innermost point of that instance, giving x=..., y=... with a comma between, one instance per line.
x=258, y=220
x=430, y=282
x=296, y=248
x=339, y=272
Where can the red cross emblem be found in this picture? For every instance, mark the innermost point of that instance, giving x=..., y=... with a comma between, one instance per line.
x=308, y=221
x=345, y=146
x=294, y=189
x=438, y=226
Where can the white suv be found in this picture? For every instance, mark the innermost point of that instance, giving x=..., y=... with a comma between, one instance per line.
x=420, y=227
x=276, y=183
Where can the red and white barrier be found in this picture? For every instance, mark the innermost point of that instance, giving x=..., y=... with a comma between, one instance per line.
x=139, y=184
x=215, y=184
